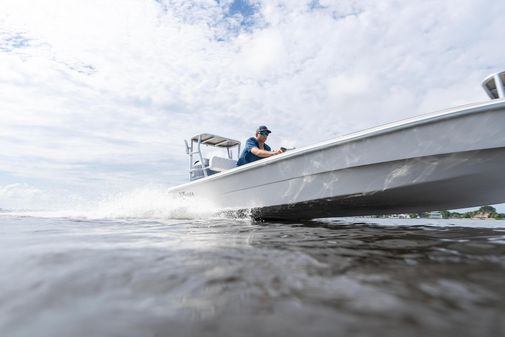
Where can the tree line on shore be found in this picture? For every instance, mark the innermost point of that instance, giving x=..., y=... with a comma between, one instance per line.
x=485, y=212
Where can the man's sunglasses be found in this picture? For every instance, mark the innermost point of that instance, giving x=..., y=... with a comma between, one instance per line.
x=264, y=134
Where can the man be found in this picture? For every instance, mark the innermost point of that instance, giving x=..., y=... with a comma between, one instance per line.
x=255, y=147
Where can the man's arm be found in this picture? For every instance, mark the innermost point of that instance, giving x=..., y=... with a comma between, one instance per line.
x=264, y=153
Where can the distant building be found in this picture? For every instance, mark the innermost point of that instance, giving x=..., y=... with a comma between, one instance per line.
x=435, y=215
x=397, y=216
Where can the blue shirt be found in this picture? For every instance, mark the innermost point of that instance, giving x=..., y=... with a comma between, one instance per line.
x=247, y=156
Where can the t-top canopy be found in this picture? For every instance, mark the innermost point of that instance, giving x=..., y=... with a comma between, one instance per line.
x=213, y=140
x=494, y=85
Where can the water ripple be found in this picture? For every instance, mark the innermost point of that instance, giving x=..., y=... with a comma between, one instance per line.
x=222, y=277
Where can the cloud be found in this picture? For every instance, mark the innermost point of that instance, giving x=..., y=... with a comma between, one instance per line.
x=13, y=41
x=19, y=191
x=94, y=92
x=19, y=195
x=262, y=52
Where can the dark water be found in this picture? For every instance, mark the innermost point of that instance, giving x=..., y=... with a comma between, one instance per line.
x=71, y=277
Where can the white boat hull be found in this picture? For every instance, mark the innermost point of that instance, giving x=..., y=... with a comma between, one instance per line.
x=451, y=159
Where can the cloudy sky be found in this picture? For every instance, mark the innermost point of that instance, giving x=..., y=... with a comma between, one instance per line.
x=98, y=96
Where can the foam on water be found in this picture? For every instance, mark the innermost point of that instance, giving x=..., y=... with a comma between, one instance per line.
x=150, y=202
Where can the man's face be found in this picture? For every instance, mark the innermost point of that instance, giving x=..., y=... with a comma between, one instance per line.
x=262, y=136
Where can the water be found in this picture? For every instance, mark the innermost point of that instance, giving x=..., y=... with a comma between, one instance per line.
x=71, y=276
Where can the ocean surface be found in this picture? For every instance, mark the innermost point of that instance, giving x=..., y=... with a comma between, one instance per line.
x=155, y=276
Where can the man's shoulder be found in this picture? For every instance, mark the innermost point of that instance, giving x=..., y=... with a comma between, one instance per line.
x=252, y=141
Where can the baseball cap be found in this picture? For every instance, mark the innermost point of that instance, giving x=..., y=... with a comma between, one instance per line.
x=263, y=128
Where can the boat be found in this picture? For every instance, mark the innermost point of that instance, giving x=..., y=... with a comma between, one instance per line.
x=448, y=159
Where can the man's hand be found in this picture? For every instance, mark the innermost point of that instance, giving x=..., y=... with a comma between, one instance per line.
x=264, y=153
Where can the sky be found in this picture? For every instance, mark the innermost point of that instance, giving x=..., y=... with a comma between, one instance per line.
x=98, y=96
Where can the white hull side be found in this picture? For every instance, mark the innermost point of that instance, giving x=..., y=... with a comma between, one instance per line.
x=414, y=185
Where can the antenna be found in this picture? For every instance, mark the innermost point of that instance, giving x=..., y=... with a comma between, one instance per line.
x=187, y=146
